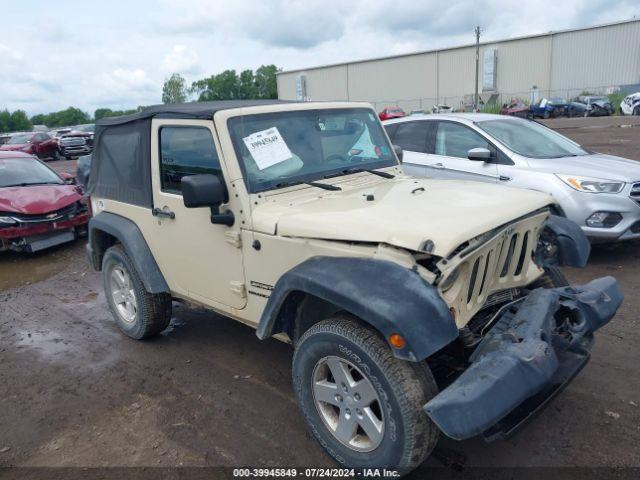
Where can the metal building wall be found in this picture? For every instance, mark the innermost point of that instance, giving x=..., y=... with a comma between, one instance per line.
x=522, y=64
x=595, y=58
x=408, y=79
x=558, y=64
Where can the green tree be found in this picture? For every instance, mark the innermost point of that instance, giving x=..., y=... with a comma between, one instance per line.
x=266, y=83
x=247, y=85
x=5, y=121
x=230, y=86
x=102, y=113
x=38, y=119
x=19, y=121
x=174, y=89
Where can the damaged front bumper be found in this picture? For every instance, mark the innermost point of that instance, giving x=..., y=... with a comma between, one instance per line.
x=532, y=352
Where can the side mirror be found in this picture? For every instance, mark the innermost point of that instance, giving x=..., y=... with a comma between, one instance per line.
x=479, y=155
x=68, y=178
x=207, y=190
x=398, y=151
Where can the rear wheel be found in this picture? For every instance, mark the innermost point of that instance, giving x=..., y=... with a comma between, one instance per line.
x=636, y=111
x=361, y=403
x=138, y=313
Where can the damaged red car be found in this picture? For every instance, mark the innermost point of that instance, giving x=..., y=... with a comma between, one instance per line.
x=38, y=208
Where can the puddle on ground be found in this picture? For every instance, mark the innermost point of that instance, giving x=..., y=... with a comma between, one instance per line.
x=47, y=343
x=18, y=269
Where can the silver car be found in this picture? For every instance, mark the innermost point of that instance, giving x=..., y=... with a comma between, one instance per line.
x=599, y=192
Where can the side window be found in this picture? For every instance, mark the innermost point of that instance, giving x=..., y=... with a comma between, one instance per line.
x=39, y=137
x=412, y=136
x=391, y=130
x=185, y=151
x=455, y=140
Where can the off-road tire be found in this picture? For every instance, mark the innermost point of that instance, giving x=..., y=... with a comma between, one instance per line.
x=153, y=310
x=552, y=278
x=402, y=387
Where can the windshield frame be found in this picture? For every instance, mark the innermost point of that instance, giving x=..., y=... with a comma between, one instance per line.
x=36, y=164
x=313, y=176
x=527, y=123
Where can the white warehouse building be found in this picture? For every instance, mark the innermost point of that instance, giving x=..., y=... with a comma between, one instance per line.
x=600, y=59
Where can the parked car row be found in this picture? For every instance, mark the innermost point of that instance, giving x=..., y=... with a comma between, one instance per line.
x=581, y=106
x=68, y=142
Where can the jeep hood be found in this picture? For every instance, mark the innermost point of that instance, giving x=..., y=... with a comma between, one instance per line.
x=404, y=212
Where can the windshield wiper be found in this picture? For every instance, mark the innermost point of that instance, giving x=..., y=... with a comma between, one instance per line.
x=324, y=186
x=374, y=172
x=28, y=184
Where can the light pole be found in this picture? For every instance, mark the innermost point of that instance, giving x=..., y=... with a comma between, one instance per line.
x=475, y=98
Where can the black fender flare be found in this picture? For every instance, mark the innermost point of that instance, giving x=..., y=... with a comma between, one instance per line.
x=573, y=245
x=131, y=238
x=389, y=297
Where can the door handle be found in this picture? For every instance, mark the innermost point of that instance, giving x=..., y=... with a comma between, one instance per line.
x=158, y=212
x=504, y=178
x=438, y=165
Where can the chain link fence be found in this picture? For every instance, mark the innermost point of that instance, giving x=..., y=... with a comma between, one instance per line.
x=493, y=100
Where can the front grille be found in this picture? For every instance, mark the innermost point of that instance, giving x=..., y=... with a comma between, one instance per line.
x=635, y=192
x=72, y=141
x=62, y=214
x=502, y=263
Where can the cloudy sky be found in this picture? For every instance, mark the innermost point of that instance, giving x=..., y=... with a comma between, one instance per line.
x=116, y=54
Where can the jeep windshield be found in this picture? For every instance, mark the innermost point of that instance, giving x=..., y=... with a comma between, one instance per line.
x=285, y=148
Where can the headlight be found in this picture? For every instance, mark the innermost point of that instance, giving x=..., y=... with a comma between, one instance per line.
x=448, y=282
x=7, y=222
x=591, y=185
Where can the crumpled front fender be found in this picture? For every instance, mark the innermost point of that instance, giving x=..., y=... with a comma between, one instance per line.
x=562, y=242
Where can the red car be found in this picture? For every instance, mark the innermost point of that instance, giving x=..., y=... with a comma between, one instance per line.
x=516, y=109
x=40, y=144
x=391, y=112
x=38, y=207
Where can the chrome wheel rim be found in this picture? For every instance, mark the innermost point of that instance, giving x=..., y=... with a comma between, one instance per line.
x=348, y=404
x=123, y=295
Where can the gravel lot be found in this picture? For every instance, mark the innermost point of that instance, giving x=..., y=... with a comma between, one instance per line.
x=207, y=392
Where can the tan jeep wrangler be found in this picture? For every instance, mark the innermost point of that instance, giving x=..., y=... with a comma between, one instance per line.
x=415, y=306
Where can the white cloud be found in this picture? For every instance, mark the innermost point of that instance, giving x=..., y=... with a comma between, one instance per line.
x=181, y=60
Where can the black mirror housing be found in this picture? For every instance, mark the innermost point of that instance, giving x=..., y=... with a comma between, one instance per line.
x=398, y=151
x=204, y=190
x=207, y=190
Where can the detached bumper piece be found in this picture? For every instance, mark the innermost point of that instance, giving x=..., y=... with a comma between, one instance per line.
x=526, y=358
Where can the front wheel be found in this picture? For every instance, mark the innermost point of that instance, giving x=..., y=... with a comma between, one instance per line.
x=138, y=313
x=361, y=403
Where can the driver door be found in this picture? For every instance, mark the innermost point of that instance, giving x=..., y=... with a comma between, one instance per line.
x=199, y=259
x=448, y=150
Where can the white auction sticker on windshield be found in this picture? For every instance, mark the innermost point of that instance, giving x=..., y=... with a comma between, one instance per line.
x=267, y=148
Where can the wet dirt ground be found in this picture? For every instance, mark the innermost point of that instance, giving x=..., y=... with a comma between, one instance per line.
x=207, y=392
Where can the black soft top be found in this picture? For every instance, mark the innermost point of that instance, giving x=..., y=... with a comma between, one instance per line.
x=199, y=110
x=121, y=161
